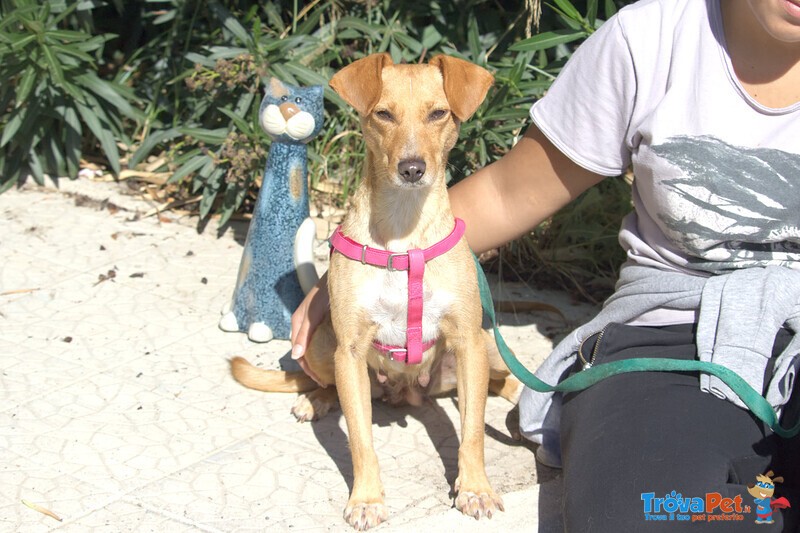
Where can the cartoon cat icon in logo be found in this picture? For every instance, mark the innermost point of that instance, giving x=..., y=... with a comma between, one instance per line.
x=762, y=491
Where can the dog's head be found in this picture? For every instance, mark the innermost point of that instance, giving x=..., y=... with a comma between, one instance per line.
x=410, y=114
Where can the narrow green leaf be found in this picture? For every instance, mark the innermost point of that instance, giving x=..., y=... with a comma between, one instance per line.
x=19, y=42
x=473, y=37
x=243, y=106
x=229, y=203
x=591, y=12
x=101, y=133
x=108, y=92
x=62, y=9
x=56, y=165
x=305, y=74
x=274, y=19
x=73, y=91
x=189, y=167
x=166, y=17
x=209, y=195
x=26, y=83
x=35, y=166
x=547, y=40
x=53, y=64
x=207, y=136
x=185, y=157
x=208, y=171
x=569, y=10
x=66, y=35
x=12, y=126
x=241, y=123
x=7, y=180
x=33, y=115
x=95, y=43
x=610, y=8
x=352, y=23
x=282, y=73
x=409, y=42
x=11, y=167
x=72, y=145
x=73, y=51
x=230, y=23
x=152, y=140
x=430, y=37
x=396, y=52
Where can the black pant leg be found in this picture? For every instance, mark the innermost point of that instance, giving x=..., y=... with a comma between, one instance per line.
x=655, y=432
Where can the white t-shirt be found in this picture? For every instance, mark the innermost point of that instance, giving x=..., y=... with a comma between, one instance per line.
x=717, y=175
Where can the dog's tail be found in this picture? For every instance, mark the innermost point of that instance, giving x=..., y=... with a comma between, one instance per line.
x=270, y=380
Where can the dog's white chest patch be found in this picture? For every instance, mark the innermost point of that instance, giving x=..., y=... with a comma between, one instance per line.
x=385, y=298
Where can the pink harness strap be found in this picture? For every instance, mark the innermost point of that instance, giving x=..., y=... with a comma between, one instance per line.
x=414, y=262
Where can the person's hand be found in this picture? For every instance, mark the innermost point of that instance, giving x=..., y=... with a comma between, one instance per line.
x=305, y=320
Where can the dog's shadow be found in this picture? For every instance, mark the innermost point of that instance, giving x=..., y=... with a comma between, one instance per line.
x=431, y=415
x=434, y=418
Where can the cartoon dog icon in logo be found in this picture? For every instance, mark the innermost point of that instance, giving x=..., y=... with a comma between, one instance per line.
x=762, y=491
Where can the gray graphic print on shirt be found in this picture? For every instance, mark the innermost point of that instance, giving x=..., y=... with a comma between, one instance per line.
x=731, y=207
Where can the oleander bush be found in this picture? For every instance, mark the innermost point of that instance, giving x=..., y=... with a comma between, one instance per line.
x=174, y=86
x=53, y=101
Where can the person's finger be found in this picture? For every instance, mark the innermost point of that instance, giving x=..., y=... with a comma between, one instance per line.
x=304, y=365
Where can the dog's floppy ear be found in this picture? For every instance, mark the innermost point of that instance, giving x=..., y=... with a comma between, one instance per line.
x=465, y=84
x=359, y=83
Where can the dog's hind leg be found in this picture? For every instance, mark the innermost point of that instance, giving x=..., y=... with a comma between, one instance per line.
x=508, y=387
x=315, y=404
x=501, y=382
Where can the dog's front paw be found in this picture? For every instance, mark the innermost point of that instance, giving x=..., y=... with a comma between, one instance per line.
x=363, y=516
x=478, y=503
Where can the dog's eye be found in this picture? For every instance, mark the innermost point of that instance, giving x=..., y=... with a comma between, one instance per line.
x=437, y=114
x=384, y=115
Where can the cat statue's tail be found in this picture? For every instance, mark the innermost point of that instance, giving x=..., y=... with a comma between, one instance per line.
x=304, y=255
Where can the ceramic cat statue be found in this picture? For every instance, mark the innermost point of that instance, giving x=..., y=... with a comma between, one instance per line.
x=270, y=283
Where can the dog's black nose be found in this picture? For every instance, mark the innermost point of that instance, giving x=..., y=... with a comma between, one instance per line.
x=411, y=170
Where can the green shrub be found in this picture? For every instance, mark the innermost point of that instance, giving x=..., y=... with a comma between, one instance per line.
x=52, y=100
x=178, y=84
x=214, y=97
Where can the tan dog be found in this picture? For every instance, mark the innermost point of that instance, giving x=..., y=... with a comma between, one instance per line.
x=410, y=115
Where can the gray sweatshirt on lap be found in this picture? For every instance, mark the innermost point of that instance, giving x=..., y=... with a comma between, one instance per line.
x=740, y=313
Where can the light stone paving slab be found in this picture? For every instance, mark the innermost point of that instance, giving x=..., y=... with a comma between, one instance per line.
x=118, y=412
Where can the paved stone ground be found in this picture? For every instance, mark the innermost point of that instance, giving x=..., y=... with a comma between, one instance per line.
x=118, y=412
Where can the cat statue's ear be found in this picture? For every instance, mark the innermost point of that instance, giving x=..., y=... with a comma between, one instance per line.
x=317, y=90
x=275, y=88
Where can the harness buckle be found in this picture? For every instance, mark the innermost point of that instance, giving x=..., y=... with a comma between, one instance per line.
x=364, y=254
x=390, y=262
x=392, y=351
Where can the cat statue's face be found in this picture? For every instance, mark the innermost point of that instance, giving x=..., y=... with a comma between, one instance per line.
x=291, y=114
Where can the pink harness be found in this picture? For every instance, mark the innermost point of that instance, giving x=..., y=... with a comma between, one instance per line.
x=413, y=261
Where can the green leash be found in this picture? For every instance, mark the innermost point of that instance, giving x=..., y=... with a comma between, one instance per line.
x=757, y=404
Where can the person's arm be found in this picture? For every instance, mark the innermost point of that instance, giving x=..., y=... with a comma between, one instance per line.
x=508, y=198
x=308, y=315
